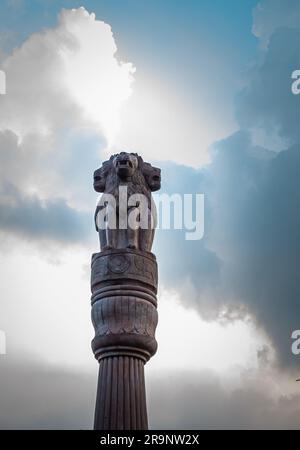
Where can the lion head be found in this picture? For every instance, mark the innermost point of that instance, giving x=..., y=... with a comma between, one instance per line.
x=127, y=168
x=125, y=164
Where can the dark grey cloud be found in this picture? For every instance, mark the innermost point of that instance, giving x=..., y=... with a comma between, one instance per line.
x=64, y=175
x=255, y=197
x=267, y=101
x=180, y=259
x=34, y=219
x=35, y=395
x=248, y=261
x=259, y=226
x=269, y=15
x=190, y=400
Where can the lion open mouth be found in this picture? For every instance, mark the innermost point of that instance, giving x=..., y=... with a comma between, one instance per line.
x=124, y=163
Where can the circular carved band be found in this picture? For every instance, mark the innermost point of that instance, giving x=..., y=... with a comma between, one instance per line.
x=124, y=265
x=122, y=290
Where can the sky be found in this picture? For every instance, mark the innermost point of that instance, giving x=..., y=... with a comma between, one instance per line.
x=201, y=89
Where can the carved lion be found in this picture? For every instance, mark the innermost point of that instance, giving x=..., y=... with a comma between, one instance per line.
x=126, y=174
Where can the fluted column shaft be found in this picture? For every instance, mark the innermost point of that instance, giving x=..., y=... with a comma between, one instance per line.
x=121, y=396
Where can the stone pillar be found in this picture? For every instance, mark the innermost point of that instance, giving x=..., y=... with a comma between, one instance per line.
x=124, y=315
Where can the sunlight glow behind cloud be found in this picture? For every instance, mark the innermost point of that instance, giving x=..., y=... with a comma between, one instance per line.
x=92, y=74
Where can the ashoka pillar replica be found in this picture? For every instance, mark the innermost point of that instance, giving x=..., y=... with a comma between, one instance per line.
x=124, y=288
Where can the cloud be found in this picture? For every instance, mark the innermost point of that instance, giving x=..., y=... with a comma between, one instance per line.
x=247, y=263
x=35, y=395
x=70, y=77
x=34, y=219
x=255, y=234
x=255, y=193
x=65, y=89
x=267, y=102
x=269, y=15
x=201, y=401
x=188, y=267
x=59, y=398
x=161, y=123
